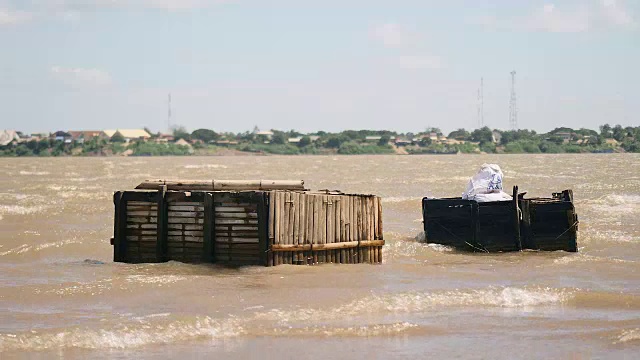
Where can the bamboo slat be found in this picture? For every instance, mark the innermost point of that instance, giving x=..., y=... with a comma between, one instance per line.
x=323, y=227
x=330, y=226
x=352, y=225
x=339, y=230
x=310, y=225
x=295, y=208
x=271, y=231
x=328, y=246
x=301, y=226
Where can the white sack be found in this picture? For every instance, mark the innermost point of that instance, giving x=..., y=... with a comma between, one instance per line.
x=486, y=185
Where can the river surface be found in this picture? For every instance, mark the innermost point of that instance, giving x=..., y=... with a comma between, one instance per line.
x=61, y=295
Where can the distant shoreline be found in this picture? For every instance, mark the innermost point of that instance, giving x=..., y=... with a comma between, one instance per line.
x=141, y=142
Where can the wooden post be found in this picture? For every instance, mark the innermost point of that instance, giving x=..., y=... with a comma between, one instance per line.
x=262, y=200
x=317, y=225
x=330, y=226
x=277, y=221
x=120, y=228
x=516, y=218
x=380, y=222
x=161, y=230
x=295, y=207
x=310, y=226
x=209, y=229
x=271, y=200
x=290, y=224
x=353, y=229
x=475, y=223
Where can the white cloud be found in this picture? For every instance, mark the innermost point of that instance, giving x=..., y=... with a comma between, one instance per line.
x=81, y=77
x=413, y=56
x=394, y=35
x=171, y=5
x=70, y=10
x=414, y=62
x=551, y=19
x=13, y=17
x=597, y=15
x=616, y=14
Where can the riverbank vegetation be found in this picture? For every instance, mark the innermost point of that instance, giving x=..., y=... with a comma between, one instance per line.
x=351, y=142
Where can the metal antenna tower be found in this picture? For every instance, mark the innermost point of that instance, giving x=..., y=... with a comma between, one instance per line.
x=513, y=109
x=481, y=104
x=169, y=112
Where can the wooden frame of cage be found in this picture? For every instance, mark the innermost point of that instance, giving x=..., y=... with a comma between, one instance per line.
x=247, y=227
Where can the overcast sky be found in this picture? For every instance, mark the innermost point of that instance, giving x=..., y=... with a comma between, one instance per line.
x=317, y=64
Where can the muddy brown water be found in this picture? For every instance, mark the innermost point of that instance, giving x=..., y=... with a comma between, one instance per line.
x=62, y=296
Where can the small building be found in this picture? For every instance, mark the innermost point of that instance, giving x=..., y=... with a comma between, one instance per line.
x=372, y=138
x=295, y=140
x=433, y=136
x=62, y=136
x=565, y=136
x=164, y=138
x=129, y=134
x=402, y=142
x=454, y=142
x=183, y=142
x=266, y=133
x=226, y=142
x=8, y=136
x=82, y=136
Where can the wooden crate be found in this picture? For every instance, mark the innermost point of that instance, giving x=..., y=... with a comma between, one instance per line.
x=247, y=227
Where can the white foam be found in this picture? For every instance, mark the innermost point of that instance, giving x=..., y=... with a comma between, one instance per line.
x=24, y=248
x=34, y=173
x=20, y=210
x=155, y=329
x=95, y=288
x=399, y=199
x=568, y=259
x=507, y=297
x=628, y=336
x=440, y=248
x=123, y=336
x=153, y=279
x=617, y=204
x=349, y=331
x=206, y=166
x=417, y=302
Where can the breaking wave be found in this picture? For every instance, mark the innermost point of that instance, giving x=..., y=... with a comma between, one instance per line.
x=629, y=336
x=400, y=199
x=506, y=297
x=165, y=328
x=34, y=173
x=20, y=210
x=24, y=248
x=417, y=302
x=123, y=336
x=154, y=329
x=617, y=203
x=157, y=280
x=206, y=166
x=581, y=258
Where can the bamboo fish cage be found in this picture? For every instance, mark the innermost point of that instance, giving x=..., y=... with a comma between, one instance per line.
x=245, y=223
